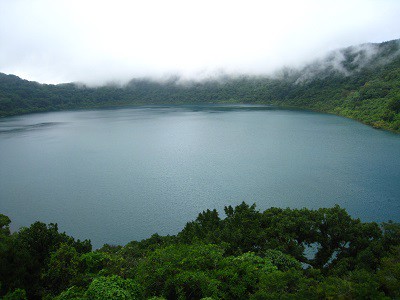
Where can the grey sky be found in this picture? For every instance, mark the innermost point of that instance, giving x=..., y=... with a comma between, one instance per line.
x=98, y=41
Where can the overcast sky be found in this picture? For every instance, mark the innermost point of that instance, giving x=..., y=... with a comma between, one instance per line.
x=98, y=41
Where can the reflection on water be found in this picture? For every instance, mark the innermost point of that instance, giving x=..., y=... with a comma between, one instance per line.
x=115, y=175
x=9, y=128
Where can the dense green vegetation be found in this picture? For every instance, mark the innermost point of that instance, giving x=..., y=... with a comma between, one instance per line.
x=246, y=255
x=358, y=82
x=361, y=82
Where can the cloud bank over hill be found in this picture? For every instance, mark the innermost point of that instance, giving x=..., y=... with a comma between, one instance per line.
x=100, y=41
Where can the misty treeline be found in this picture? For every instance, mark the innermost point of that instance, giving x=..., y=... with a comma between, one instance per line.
x=360, y=82
x=247, y=254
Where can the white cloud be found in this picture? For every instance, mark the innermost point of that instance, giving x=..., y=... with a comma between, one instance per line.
x=97, y=41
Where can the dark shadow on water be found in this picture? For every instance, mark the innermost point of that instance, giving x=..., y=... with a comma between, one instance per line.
x=9, y=129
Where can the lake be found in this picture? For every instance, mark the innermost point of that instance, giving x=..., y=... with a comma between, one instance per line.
x=116, y=175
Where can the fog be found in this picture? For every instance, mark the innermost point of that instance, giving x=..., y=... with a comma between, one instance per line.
x=96, y=42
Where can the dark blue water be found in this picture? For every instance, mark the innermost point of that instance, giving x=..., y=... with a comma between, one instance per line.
x=123, y=174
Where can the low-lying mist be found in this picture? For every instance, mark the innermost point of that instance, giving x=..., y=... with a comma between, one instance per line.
x=98, y=42
x=343, y=62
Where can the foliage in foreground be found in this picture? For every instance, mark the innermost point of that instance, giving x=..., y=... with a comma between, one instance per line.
x=249, y=254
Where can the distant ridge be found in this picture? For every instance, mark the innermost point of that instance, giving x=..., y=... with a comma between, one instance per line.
x=360, y=82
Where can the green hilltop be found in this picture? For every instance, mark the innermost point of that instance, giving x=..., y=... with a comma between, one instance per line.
x=360, y=82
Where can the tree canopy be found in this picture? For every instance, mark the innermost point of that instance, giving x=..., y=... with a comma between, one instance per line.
x=248, y=254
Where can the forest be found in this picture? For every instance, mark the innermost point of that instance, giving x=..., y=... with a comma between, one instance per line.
x=244, y=254
x=360, y=82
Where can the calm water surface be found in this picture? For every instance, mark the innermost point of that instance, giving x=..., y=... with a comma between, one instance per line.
x=123, y=174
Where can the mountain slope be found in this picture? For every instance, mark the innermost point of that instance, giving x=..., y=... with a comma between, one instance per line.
x=360, y=82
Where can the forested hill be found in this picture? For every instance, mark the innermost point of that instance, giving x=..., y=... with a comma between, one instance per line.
x=360, y=82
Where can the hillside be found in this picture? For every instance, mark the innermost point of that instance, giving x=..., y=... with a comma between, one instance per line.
x=360, y=82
